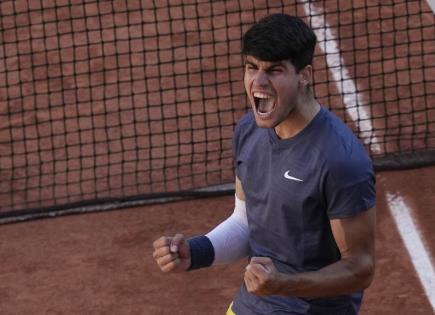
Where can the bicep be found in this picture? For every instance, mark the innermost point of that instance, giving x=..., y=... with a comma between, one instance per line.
x=355, y=236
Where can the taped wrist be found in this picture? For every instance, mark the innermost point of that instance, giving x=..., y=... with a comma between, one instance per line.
x=201, y=252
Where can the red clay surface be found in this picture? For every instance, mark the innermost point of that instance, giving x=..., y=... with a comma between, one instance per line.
x=67, y=134
x=101, y=263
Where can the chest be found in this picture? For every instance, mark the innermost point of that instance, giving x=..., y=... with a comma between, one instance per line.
x=283, y=193
x=277, y=176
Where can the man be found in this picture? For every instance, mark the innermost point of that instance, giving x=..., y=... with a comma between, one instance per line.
x=304, y=211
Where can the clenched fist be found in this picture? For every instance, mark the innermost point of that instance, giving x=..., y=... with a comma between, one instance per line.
x=172, y=254
x=262, y=278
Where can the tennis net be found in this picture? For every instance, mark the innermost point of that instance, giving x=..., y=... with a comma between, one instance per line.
x=107, y=102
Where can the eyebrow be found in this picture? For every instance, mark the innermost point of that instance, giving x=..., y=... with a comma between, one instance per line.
x=272, y=65
x=247, y=62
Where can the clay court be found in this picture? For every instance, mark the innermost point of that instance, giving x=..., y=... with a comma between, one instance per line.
x=101, y=263
x=108, y=105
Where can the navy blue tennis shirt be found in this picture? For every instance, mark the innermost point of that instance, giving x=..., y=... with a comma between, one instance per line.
x=293, y=188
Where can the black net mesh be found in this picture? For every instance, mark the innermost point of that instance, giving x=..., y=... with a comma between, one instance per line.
x=111, y=100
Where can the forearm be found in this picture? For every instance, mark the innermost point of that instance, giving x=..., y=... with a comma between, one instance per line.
x=226, y=243
x=343, y=277
x=230, y=239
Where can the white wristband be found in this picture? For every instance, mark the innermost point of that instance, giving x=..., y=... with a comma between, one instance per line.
x=230, y=239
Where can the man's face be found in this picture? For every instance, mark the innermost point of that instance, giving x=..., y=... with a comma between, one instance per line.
x=272, y=89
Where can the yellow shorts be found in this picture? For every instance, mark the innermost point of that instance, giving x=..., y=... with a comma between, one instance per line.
x=230, y=311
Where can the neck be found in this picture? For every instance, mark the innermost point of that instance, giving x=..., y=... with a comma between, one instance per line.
x=298, y=118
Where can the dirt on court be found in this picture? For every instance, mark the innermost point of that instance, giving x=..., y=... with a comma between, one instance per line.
x=101, y=263
x=74, y=140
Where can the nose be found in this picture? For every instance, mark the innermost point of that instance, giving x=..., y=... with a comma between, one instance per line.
x=261, y=79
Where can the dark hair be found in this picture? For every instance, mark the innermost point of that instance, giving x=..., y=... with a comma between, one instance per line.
x=280, y=37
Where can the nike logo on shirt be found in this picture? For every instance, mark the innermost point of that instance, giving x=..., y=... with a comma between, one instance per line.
x=288, y=176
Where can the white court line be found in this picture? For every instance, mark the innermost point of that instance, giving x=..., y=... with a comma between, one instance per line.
x=401, y=214
x=413, y=242
x=432, y=4
x=353, y=102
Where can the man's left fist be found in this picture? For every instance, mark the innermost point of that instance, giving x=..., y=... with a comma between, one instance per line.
x=262, y=278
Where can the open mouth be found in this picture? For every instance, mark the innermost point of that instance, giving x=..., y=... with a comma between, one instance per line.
x=264, y=104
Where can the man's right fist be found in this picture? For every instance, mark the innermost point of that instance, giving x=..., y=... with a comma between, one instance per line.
x=172, y=254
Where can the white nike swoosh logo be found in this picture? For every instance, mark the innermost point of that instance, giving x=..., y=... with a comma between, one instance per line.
x=287, y=175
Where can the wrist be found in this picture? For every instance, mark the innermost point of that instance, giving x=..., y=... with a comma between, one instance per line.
x=284, y=283
x=201, y=252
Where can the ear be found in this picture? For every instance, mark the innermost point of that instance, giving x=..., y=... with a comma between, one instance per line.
x=306, y=76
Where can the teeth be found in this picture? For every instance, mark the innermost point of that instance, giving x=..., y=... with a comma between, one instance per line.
x=264, y=103
x=261, y=95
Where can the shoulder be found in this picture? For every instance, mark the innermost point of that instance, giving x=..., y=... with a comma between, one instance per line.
x=245, y=127
x=248, y=137
x=346, y=159
x=247, y=121
x=348, y=179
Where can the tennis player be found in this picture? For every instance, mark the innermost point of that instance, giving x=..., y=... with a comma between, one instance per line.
x=304, y=204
